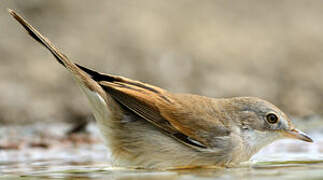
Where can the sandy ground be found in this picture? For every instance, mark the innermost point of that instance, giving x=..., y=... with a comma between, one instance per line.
x=269, y=49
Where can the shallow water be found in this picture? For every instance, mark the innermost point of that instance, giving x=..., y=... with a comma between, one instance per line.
x=49, y=154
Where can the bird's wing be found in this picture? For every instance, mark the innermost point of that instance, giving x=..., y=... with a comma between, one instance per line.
x=190, y=119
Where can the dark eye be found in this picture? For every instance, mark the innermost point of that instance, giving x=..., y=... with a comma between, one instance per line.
x=272, y=118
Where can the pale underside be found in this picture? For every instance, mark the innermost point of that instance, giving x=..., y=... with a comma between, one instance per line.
x=135, y=142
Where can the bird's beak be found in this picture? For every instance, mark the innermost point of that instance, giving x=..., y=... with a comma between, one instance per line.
x=297, y=134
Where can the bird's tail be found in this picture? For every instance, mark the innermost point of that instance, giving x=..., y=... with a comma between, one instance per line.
x=82, y=77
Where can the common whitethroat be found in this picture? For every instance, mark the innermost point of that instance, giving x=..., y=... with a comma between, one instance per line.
x=148, y=127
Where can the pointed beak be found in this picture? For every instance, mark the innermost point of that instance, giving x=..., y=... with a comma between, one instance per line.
x=297, y=134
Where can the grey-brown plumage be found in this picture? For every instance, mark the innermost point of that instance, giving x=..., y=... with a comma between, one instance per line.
x=146, y=126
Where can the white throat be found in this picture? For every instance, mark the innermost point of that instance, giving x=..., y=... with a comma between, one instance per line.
x=254, y=140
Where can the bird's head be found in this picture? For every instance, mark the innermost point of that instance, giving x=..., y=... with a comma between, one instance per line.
x=261, y=122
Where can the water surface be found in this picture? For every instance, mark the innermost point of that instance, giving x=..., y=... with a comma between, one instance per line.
x=43, y=151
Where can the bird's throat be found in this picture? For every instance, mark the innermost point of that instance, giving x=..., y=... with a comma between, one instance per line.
x=254, y=140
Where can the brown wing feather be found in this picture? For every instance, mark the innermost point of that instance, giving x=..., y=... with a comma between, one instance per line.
x=173, y=113
x=140, y=101
x=198, y=117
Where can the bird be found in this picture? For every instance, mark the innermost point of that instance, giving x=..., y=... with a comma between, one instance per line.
x=145, y=126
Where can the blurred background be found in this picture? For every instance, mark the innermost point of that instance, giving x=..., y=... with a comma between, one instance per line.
x=217, y=48
x=269, y=49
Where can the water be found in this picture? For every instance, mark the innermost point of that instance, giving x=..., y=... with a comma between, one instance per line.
x=35, y=151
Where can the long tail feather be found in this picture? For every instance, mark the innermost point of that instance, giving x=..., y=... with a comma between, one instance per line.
x=60, y=57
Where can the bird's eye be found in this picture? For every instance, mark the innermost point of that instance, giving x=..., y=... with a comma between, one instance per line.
x=272, y=118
